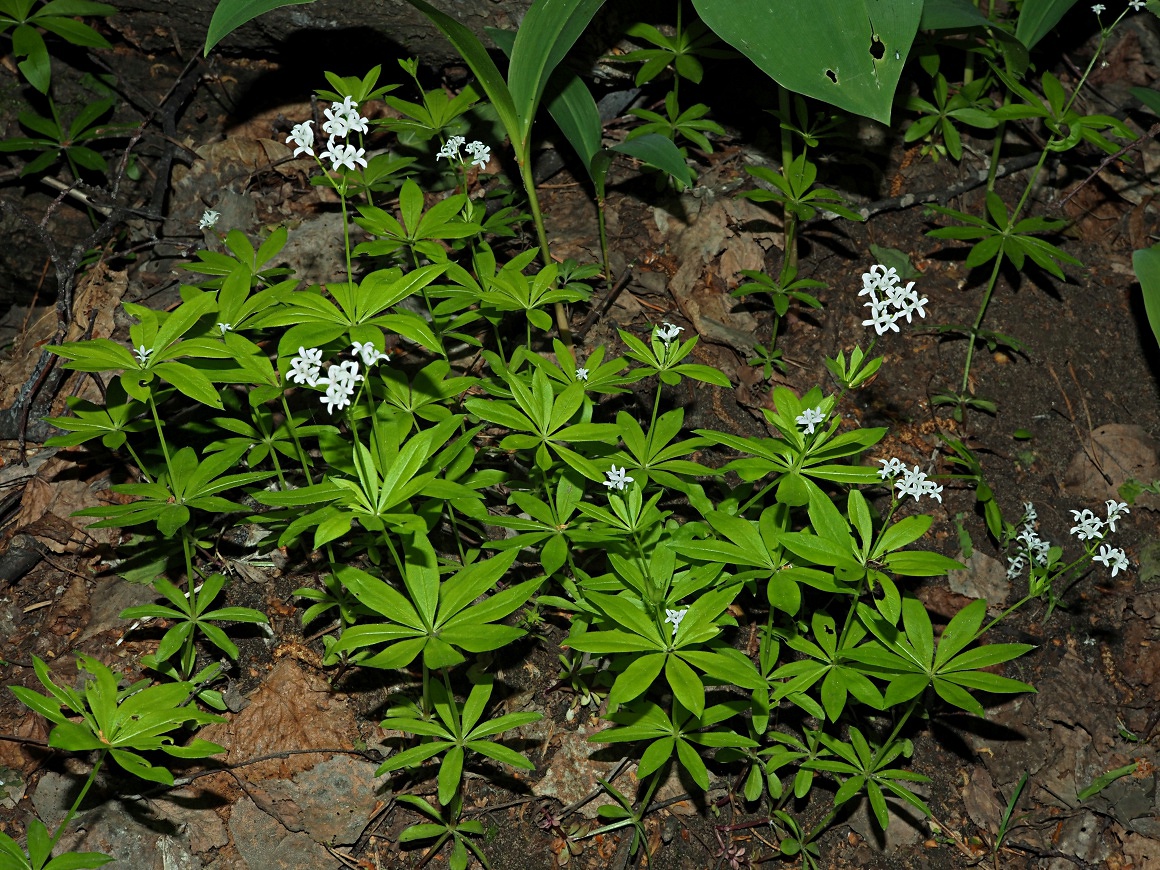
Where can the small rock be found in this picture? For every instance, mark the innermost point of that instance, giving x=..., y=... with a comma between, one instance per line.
x=981, y=577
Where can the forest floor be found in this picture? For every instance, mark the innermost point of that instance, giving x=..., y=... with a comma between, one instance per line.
x=1078, y=415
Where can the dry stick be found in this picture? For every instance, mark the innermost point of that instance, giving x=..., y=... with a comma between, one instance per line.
x=941, y=195
x=1086, y=443
x=1151, y=133
x=1087, y=415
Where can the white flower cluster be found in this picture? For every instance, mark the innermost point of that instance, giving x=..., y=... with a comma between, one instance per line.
x=675, y=617
x=341, y=380
x=668, y=332
x=913, y=482
x=480, y=154
x=1034, y=547
x=1088, y=527
x=342, y=119
x=889, y=301
x=209, y=219
x=810, y=418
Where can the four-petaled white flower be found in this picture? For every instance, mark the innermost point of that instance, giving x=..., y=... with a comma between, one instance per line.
x=1116, y=509
x=450, y=149
x=1088, y=525
x=480, y=153
x=810, y=418
x=223, y=328
x=369, y=354
x=889, y=300
x=342, y=155
x=306, y=367
x=1098, y=8
x=668, y=332
x=208, y=219
x=581, y=374
x=616, y=478
x=302, y=135
x=340, y=384
x=1029, y=514
x=675, y=617
x=1137, y=5
x=1114, y=558
x=142, y=353
x=914, y=483
x=342, y=118
x=891, y=468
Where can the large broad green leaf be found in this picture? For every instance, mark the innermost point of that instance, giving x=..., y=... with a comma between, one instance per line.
x=232, y=14
x=964, y=16
x=848, y=53
x=1037, y=17
x=549, y=29
x=1146, y=262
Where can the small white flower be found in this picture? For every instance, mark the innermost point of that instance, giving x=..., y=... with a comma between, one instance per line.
x=1098, y=8
x=337, y=396
x=1015, y=567
x=343, y=117
x=616, y=478
x=1137, y=5
x=450, y=149
x=891, y=468
x=142, y=353
x=668, y=332
x=480, y=153
x=914, y=483
x=345, y=375
x=1114, y=558
x=581, y=374
x=810, y=418
x=209, y=219
x=369, y=354
x=675, y=617
x=1029, y=514
x=345, y=155
x=1116, y=509
x=306, y=367
x=223, y=328
x=1088, y=525
x=303, y=136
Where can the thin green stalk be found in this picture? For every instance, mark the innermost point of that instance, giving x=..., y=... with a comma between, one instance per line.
x=656, y=406
x=294, y=435
x=140, y=465
x=602, y=226
x=161, y=438
x=788, y=219
x=72, y=811
x=973, y=337
x=523, y=158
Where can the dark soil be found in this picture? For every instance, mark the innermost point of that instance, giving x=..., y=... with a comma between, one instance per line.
x=1087, y=359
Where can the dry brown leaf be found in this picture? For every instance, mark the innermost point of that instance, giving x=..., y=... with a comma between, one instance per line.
x=292, y=709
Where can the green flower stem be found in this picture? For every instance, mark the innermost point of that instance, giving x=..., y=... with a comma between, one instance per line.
x=72, y=811
x=761, y=493
x=294, y=435
x=656, y=406
x=137, y=459
x=602, y=228
x=791, y=253
x=161, y=437
x=978, y=324
x=524, y=159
